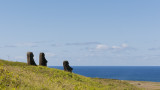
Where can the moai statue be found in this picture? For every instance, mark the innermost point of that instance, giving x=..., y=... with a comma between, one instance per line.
x=42, y=59
x=30, y=60
x=67, y=67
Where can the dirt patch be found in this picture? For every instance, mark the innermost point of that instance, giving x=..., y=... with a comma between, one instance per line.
x=146, y=85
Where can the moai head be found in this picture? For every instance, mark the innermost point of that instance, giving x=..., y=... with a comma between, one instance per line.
x=42, y=54
x=65, y=63
x=66, y=66
x=30, y=59
x=42, y=59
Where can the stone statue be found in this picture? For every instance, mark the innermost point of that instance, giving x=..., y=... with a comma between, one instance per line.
x=42, y=59
x=67, y=67
x=30, y=59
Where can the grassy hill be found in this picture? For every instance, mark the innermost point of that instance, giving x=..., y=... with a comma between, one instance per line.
x=17, y=75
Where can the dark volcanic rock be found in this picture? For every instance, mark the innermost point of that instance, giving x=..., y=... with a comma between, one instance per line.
x=30, y=59
x=67, y=67
x=42, y=59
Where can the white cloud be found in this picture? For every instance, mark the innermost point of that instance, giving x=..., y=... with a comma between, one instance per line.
x=19, y=57
x=101, y=47
x=84, y=43
x=116, y=47
x=124, y=45
x=26, y=45
x=22, y=45
x=50, y=54
x=120, y=47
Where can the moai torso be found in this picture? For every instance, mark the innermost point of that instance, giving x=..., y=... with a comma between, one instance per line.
x=42, y=59
x=30, y=59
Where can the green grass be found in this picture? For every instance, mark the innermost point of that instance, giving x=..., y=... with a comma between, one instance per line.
x=17, y=75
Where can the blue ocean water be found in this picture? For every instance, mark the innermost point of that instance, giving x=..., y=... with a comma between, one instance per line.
x=136, y=73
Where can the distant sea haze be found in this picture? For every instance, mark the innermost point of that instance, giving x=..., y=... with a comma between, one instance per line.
x=135, y=73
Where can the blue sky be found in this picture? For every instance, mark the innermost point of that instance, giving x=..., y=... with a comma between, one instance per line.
x=84, y=32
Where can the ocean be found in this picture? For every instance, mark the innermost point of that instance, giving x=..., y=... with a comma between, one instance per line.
x=136, y=73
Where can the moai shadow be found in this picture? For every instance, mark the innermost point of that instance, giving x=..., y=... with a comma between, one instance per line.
x=30, y=59
x=42, y=59
x=67, y=67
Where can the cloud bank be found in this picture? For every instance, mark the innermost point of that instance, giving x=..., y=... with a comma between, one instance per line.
x=114, y=47
x=85, y=43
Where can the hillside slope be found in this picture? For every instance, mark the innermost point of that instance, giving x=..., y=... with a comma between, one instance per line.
x=17, y=75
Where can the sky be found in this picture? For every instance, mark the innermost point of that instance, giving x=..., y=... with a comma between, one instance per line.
x=84, y=32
